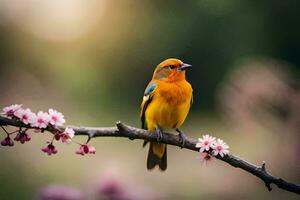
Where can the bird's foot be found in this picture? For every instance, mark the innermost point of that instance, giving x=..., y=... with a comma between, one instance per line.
x=182, y=138
x=159, y=134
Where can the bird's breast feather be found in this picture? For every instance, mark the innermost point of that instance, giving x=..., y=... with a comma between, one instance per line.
x=175, y=93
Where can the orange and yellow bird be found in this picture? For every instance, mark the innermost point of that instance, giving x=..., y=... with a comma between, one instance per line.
x=166, y=103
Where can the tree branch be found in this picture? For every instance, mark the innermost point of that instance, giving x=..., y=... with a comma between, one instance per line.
x=123, y=130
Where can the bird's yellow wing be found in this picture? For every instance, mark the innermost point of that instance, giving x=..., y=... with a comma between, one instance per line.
x=148, y=96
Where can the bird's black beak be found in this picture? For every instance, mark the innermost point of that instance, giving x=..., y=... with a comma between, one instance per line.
x=184, y=66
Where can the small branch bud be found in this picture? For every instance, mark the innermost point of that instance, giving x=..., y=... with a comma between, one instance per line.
x=263, y=167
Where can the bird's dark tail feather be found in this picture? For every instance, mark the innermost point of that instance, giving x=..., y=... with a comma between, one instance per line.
x=154, y=160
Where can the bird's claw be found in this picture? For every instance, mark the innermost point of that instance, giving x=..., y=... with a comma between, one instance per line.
x=159, y=134
x=182, y=138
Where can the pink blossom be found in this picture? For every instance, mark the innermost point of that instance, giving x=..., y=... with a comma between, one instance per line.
x=7, y=142
x=220, y=148
x=25, y=115
x=56, y=118
x=86, y=149
x=22, y=137
x=49, y=149
x=67, y=135
x=92, y=149
x=9, y=111
x=205, y=158
x=205, y=143
x=41, y=120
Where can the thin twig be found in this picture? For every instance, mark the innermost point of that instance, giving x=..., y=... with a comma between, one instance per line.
x=123, y=130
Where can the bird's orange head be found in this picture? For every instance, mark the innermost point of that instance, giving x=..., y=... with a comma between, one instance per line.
x=171, y=70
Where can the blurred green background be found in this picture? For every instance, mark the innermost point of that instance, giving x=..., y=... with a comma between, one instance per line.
x=92, y=60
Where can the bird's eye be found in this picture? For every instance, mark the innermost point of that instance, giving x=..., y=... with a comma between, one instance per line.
x=172, y=67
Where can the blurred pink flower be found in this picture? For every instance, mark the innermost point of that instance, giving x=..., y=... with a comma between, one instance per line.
x=25, y=115
x=86, y=149
x=206, y=158
x=9, y=111
x=22, y=137
x=56, y=118
x=253, y=90
x=41, y=120
x=7, y=142
x=220, y=148
x=59, y=192
x=49, y=149
x=205, y=143
x=67, y=135
x=112, y=188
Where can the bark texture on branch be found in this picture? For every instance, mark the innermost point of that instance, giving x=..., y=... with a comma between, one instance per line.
x=123, y=130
